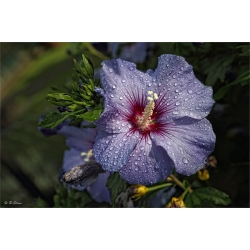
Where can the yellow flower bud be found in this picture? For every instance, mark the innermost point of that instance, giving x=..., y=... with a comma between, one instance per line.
x=176, y=203
x=203, y=174
x=139, y=190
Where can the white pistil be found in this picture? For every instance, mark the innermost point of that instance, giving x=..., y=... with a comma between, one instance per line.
x=145, y=120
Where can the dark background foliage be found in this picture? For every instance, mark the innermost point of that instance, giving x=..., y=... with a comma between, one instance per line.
x=30, y=162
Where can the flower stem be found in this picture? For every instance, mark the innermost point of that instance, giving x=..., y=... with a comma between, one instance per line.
x=184, y=194
x=150, y=189
x=96, y=52
x=179, y=183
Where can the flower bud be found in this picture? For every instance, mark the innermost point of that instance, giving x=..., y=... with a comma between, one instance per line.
x=203, y=174
x=176, y=203
x=139, y=190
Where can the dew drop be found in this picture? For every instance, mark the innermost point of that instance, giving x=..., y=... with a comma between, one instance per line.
x=111, y=96
x=175, y=112
x=110, y=70
x=177, y=103
x=123, y=80
x=190, y=91
x=185, y=160
x=121, y=98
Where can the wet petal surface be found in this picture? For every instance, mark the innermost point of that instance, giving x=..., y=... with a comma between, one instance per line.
x=180, y=90
x=113, y=150
x=147, y=164
x=187, y=145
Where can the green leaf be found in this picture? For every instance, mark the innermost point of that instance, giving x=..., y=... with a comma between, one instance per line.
x=70, y=198
x=243, y=79
x=86, y=62
x=40, y=203
x=185, y=183
x=60, y=99
x=116, y=185
x=85, y=68
x=92, y=115
x=216, y=69
x=54, y=119
x=202, y=197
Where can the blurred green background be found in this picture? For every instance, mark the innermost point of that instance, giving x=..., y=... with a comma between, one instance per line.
x=30, y=162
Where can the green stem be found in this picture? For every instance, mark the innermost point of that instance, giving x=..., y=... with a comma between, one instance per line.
x=150, y=189
x=179, y=183
x=96, y=52
x=184, y=193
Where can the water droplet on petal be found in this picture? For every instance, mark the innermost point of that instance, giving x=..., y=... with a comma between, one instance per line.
x=175, y=112
x=190, y=91
x=123, y=80
x=110, y=70
x=121, y=98
x=114, y=86
x=111, y=96
x=177, y=103
x=185, y=160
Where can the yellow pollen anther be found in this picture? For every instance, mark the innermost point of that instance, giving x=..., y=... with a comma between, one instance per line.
x=88, y=155
x=150, y=92
x=150, y=99
x=155, y=96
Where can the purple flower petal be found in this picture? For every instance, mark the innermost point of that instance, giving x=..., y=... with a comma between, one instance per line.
x=180, y=90
x=77, y=138
x=71, y=159
x=121, y=82
x=98, y=189
x=111, y=121
x=112, y=150
x=147, y=164
x=135, y=53
x=188, y=145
